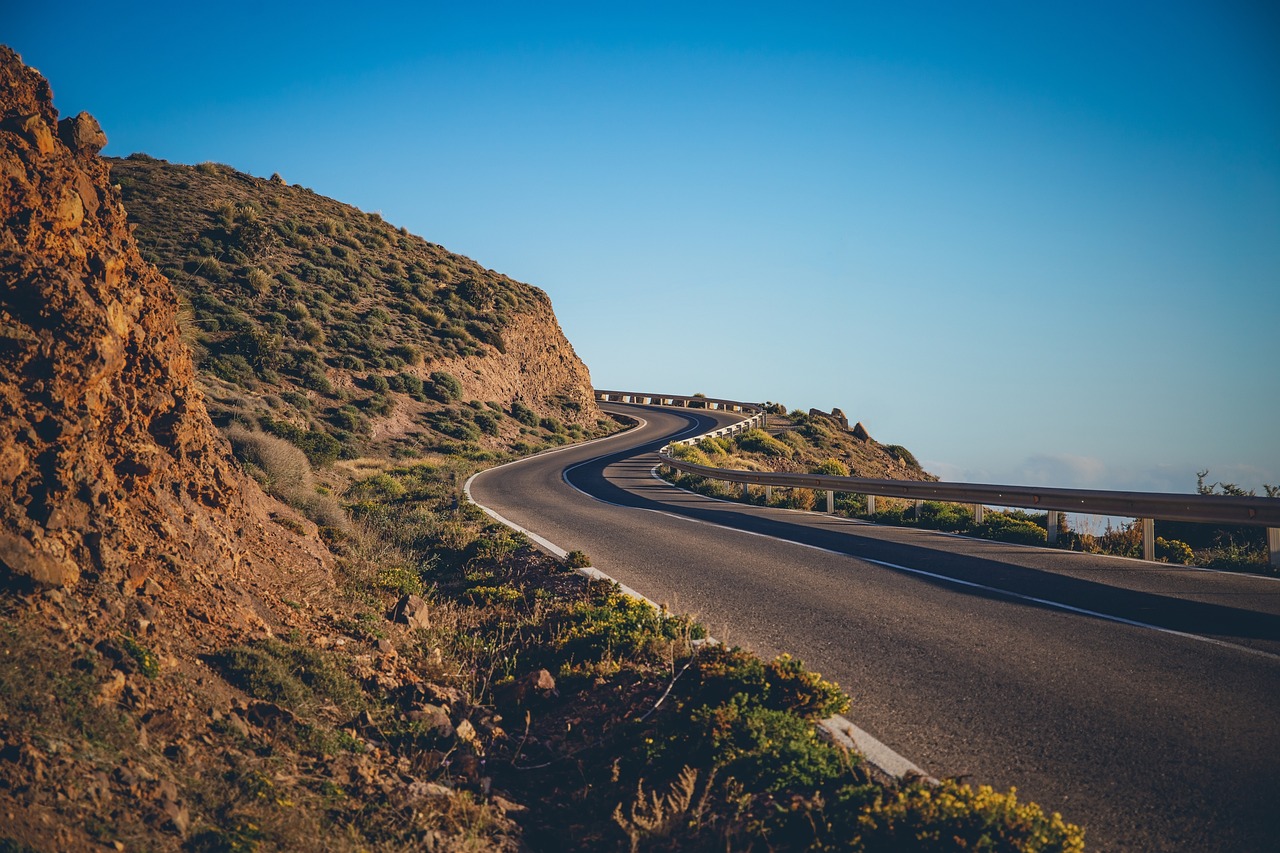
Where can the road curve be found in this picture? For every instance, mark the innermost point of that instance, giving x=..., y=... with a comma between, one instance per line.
x=1136, y=699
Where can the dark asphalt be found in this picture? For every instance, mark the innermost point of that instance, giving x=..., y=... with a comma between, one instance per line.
x=1153, y=740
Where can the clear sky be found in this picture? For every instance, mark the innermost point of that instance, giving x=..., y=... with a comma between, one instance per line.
x=1033, y=242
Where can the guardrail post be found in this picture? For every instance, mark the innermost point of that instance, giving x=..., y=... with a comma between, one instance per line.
x=831, y=501
x=746, y=491
x=919, y=509
x=1273, y=545
x=979, y=513
x=768, y=494
x=1148, y=539
x=1051, y=527
x=871, y=504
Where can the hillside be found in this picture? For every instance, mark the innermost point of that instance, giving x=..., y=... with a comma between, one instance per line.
x=813, y=442
x=333, y=329
x=188, y=664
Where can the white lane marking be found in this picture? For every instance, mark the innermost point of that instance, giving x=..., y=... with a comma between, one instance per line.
x=564, y=475
x=1069, y=608
x=841, y=729
x=1149, y=565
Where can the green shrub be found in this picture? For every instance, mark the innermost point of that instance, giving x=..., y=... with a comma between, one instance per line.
x=794, y=440
x=894, y=515
x=320, y=447
x=1174, y=551
x=524, y=414
x=691, y=454
x=832, y=468
x=900, y=452
x=1009, y=528
x=289, y=675
x=765, y=749
x=445, y=387
x=398, y=580
x=945, y=516
x=349, y=418
x=1232, y=556
x=951, y=815
x=487, y=422
x=148, y=662
x=617, y=624
x=234, y=369
x=759, y=441
x=381, y=487
x=499, y=594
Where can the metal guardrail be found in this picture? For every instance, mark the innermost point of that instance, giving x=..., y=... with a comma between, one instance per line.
x=687, y=401
x=1147, y=506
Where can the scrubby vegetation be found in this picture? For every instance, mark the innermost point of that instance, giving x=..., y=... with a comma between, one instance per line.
x=613, y=722
x=313, y=321
x=529, y=706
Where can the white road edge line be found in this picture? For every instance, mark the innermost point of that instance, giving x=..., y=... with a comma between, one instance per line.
x=841, y=730
x=1069, y=608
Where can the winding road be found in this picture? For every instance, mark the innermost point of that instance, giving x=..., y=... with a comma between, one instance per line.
x=1140, y=700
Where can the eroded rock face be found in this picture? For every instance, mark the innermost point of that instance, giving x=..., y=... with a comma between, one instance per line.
x=109, y=464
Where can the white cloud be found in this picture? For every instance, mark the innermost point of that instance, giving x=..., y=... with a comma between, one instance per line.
x=1062, y=470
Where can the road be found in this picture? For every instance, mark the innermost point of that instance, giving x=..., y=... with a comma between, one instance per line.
x=1139, y=700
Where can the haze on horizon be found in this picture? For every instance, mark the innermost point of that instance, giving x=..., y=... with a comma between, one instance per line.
x=1033, y=243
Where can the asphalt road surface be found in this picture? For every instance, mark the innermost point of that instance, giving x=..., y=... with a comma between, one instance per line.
x=1140, y=700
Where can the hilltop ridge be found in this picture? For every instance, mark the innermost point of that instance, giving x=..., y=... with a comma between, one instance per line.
x=308, y=314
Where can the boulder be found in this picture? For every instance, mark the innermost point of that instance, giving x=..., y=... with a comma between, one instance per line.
x=82, y=134
x=833, y=415
x=411, y=610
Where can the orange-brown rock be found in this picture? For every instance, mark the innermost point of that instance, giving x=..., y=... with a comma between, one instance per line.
x=109, y=465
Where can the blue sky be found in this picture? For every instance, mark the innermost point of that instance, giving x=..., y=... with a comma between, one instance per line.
x=1033, y=242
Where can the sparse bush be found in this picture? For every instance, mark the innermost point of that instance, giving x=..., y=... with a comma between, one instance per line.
x=945, y=516
x=292, y=676
x=1008, y=527
x=794, y=440
x=487, y=422
x=258, y=281
x=320, y=447
x=832, y=468
x=284, y=466
x=1174, y=551
x=900, y=452
x=802, y=499
x=445, y=387
x=691, y=454
x=524, y=414
x=759, y=441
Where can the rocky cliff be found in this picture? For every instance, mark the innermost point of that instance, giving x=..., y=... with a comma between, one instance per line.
x=109, y=465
